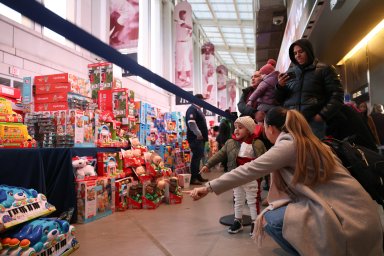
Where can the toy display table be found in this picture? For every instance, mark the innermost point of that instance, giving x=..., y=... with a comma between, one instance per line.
x=47, y=170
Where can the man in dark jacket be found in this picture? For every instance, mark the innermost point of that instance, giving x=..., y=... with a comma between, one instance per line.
x=197, y=135
x=311, y=87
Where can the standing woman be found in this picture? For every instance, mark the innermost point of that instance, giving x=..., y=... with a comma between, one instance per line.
x=315, y=206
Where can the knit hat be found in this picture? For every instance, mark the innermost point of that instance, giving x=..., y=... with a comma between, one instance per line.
x=268, y=68
x=247, y=122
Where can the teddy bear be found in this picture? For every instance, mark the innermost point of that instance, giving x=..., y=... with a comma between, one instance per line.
x=140, y=171
x=82, y=167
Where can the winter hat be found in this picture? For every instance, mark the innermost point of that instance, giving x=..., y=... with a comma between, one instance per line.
x=306, y=45
x=272, y=62
x=268, y=68
x=247, y=122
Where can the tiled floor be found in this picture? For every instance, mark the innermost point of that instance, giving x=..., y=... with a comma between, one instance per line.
x=190, y=228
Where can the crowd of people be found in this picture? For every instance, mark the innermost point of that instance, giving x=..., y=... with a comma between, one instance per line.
x=314, y=205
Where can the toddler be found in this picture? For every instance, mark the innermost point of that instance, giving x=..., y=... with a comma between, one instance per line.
x=242, y=148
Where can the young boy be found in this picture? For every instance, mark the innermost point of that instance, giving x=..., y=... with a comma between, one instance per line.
x=242, y=148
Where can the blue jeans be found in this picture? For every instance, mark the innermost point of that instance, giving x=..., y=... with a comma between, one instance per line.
x=274, y=228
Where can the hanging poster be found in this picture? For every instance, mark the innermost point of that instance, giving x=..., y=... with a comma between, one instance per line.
x=222, y=76
x=232, y=95
x=208, y=73
x=124, y=24
x=184, y=45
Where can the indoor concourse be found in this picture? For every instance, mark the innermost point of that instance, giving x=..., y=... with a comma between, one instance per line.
x=190, y=228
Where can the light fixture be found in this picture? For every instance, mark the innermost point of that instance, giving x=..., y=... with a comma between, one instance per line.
x=363, y=42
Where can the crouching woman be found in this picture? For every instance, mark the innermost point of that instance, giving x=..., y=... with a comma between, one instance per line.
x=315, y=206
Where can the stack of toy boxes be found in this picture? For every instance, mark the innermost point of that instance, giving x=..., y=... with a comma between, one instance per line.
x=95, y=199
x=143, y=109
x=13, y=133
x=122, y=193
x=101, y=77
x=59, y=95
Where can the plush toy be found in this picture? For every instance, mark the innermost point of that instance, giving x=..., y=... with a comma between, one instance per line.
x=127, y=153
x=82, y=167
x=140, y=170
x=15, y=196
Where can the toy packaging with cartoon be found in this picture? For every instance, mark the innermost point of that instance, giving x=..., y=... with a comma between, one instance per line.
x=95, y=199
x=18, y=205
x=45, y=236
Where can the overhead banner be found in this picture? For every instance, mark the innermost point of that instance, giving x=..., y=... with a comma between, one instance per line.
x=222, y=77
x=232, y=95
x=208, y=69
x=184, y=45
x=124, y=24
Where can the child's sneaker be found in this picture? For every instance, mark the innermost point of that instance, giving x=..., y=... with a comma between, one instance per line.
x=236, y=227
x=252, y=227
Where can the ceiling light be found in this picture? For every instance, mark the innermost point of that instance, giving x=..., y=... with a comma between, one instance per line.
x=363, y=42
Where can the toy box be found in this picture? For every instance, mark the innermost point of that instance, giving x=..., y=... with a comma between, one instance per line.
x=95, y=199
x=51, y=97
x=173, y=193
x=152, y=196
x=55, y=78
x=135, y=196
x=51, y=106
x=56, y=239
x=122, y=193
x=9, y=92
x=110, y=164
x=19, y=205
x=115, y=100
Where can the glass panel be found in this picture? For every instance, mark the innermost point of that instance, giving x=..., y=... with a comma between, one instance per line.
x=246, y=16
x=232, y=35
x=199, y=7
x=230, y=30
x=5, y=81
x=245, y=8
x=233, y=40
x=223, y=7
x=226, y=15
x=203, y=15
x=210, y=29
x=59, y=7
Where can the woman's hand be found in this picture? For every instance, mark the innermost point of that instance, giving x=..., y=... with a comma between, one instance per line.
x=282, y=79
x=198, y=193
x=204, y=169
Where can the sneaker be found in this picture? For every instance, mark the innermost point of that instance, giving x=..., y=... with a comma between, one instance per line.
x=252, y=228
x=236, y=227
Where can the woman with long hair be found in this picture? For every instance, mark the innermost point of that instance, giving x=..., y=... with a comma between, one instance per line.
x=315, y=206
x=363, y=108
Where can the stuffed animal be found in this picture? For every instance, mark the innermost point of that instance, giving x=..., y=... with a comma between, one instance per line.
x=140, y=170
x=83, y=169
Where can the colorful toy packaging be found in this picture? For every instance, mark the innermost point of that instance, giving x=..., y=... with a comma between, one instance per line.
x=45, y=236
x=95, y=199
x=18, y=205
x=173, y=193
x=135, y=196
x=122, y=193
x=152, y=196
x=109, y=164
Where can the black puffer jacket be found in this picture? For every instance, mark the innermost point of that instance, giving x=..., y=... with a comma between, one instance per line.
x=315, y=90
x=242, y=104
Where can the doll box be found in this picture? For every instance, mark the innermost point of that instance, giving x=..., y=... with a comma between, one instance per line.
x=59, y=239
x=18, y=205
x=54, y=78
x=51, y=97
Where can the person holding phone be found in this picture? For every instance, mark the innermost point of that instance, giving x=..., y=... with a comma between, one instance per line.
x=311, y=87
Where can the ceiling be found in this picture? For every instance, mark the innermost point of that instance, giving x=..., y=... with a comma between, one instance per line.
x=242, y=31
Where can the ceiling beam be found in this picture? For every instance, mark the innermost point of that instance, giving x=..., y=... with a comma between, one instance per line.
x=234, y=49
